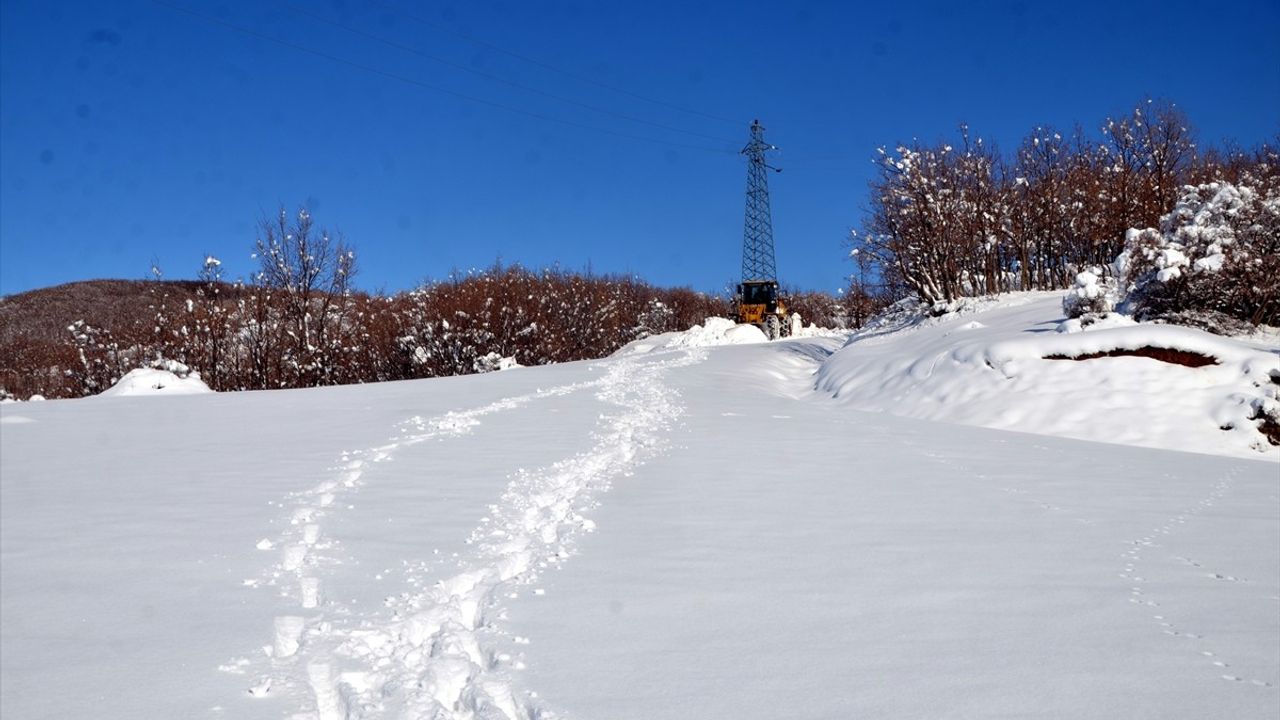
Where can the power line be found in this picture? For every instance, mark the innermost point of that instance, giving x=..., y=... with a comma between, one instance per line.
x=418, y=83
x=491, y=76
x=580, y=78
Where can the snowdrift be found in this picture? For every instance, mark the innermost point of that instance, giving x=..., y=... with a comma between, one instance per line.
x=714, y=331
x=1015, y=363
x=153, y=381
x=717, y=331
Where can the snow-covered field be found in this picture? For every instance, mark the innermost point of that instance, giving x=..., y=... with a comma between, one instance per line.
x=689, y=529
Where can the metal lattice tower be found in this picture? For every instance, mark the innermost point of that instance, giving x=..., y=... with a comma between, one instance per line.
x=757, y=232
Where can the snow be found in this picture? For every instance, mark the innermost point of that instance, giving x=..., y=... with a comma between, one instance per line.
x=153, y=381
x=713, y=332
x=1000, y=375
x=1171, y=261
x=492, y=362
x=1210, y=263
x=717, y=331
x=686, y=529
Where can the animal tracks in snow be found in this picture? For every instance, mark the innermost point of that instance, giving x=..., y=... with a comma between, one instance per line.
x=1135, y=557
x=435, y=650
x=1211, y=575
x=1143, y=558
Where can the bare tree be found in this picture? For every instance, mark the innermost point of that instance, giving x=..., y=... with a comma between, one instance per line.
x=311, y=272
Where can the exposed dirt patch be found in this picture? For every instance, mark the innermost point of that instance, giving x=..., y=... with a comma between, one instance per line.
x=1268, y=426
x=1185, y=358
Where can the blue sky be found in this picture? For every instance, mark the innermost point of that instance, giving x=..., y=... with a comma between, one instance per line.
x=132, y=131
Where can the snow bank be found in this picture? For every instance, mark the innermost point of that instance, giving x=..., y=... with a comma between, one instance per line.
x=153, y=381
x=719, y=331
x=493, y=362
x=741, y=335
x=1016, y=369
x=714, y=331
x=6, y=398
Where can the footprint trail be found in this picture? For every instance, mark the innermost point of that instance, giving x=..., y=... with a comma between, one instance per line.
x=439, y=651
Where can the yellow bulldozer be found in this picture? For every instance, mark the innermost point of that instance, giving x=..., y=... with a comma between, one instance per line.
x=760, y=305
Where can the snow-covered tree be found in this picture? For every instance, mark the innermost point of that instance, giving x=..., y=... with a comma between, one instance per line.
x=1090, y=294
x=950, y=220
x=936, y=219
x=1216, y=254
x=1150, y=150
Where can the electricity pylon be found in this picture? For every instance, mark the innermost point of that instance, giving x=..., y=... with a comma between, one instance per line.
x=757, y=233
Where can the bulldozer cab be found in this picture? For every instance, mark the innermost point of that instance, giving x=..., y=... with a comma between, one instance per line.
x=759, y=292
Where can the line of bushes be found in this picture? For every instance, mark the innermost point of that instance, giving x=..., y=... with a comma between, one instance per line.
x=958, y=218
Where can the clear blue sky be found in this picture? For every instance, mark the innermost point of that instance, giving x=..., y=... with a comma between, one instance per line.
x=130, y=130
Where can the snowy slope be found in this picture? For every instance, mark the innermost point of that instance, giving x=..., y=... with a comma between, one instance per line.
x=675, y=532
x=794, y=559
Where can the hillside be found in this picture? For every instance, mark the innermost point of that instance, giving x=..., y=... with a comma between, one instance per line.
x=686, y=529
x=118, y=305
x=35, y=345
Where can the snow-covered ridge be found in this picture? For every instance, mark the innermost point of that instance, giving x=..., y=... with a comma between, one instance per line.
x=998, y=370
